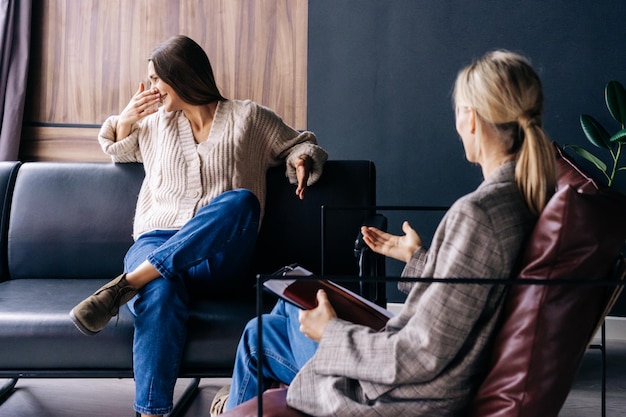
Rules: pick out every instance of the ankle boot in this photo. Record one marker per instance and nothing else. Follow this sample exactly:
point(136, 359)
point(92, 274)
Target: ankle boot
point(93, 313)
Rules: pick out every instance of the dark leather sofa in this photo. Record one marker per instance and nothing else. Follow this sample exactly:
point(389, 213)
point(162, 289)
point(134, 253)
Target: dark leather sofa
point(64, 230)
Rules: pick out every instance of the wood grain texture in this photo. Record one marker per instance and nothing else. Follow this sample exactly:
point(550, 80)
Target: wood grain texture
point(65, 144)
point(88, 57)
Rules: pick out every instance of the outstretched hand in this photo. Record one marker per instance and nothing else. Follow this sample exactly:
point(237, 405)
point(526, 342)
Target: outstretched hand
point(143, 103)
point(313, 322)
point(401, 248)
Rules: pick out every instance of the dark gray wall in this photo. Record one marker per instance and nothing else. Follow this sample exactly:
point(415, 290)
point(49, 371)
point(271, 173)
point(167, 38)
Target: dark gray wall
point(381, 72)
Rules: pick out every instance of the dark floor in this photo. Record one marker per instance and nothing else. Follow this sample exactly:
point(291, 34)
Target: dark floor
point(113, 397)
point(584, 399)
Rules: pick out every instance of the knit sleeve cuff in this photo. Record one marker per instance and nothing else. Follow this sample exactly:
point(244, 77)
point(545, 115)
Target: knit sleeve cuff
point(318, 158)
point(119, 149)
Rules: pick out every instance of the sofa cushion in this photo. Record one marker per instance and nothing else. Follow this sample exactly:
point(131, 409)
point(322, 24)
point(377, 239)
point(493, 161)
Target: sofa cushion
point(38, 336)
point(72, 220)
point(546, 328)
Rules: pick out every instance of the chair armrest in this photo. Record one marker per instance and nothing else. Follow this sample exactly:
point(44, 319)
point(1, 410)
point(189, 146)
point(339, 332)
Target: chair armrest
point(371, 264)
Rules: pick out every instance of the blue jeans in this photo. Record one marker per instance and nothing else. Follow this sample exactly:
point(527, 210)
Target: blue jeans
point(285, 350)
point(217, 242)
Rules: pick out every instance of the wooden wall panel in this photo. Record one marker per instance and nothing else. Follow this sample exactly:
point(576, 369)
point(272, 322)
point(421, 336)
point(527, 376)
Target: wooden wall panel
point(64, 144)
point(88, 57)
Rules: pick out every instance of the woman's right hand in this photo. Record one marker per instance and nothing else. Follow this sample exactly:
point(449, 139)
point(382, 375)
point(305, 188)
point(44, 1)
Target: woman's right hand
point(142, 104)
point(401, 248)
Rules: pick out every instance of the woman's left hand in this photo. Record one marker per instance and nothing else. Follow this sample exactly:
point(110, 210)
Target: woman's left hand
point(303, 167)
point(313, 322)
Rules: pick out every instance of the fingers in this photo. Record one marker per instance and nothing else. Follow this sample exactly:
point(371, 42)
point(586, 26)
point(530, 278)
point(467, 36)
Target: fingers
point(301, 188)
point(324, 307)
point(374, 235)
point(302, 175)
point(322, 299)
point(368, 231)
point(149, 102)
point(142, 104)
point(370, 237)
point(313, 322)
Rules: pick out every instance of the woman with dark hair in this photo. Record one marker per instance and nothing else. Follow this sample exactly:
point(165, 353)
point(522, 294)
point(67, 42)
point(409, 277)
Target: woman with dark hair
point(199, 208)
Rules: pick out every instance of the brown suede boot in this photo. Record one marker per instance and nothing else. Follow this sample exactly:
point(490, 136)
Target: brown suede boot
point(94, 312)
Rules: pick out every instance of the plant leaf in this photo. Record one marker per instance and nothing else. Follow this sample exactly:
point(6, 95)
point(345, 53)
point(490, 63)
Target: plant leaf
point(615, 97)
point(595, 132)
point(589, 157)
point(619, 137)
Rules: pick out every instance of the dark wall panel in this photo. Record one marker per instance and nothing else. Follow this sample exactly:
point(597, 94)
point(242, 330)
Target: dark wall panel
point(381, 73)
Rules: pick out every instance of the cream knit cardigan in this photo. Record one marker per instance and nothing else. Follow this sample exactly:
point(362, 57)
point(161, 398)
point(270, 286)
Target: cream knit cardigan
point(183, 176)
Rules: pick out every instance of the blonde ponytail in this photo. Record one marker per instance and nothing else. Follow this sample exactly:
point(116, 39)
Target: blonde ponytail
point(535, 169)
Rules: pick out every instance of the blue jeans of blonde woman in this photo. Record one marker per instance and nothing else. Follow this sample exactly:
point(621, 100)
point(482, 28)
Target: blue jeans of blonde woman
point(285, 350)
point(214, 244)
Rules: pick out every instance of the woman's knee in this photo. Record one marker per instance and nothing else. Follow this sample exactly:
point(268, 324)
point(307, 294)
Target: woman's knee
point(244, 196)
point(273, 329)
point(242, 201)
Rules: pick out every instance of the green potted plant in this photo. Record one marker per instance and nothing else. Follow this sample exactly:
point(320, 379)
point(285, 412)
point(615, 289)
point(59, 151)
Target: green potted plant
point(615, 98)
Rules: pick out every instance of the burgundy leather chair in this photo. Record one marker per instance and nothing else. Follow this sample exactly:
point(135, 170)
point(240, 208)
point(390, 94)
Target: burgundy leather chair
point(545, 329)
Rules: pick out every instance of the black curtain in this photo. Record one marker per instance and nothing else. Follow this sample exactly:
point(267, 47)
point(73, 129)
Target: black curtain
point(15, 22)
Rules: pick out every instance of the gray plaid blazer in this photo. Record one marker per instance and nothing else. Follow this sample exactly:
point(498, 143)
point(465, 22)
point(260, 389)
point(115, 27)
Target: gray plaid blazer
point(430, 357)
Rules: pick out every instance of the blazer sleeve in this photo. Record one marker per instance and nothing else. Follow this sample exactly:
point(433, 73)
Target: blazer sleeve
point(436, 319)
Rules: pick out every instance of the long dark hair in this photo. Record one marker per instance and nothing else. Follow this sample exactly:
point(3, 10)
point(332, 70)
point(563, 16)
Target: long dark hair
point(182, 64)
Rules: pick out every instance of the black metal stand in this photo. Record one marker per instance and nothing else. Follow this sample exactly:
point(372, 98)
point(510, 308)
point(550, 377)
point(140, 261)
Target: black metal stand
point(602, 347)
point(7, 389)
point(188, 395)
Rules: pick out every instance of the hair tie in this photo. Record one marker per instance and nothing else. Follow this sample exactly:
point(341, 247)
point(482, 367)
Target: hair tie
point(527, 121)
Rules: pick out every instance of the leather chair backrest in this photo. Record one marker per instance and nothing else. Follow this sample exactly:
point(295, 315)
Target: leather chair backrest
point(292, 228)
point(546, 329)
point(72, 220)
point(8, 172)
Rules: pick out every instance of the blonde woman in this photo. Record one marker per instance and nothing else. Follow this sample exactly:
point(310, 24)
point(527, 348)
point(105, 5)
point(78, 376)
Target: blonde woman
point(430, 357)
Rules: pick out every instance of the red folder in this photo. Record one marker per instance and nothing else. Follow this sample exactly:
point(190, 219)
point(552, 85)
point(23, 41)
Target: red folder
point(348, 305)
